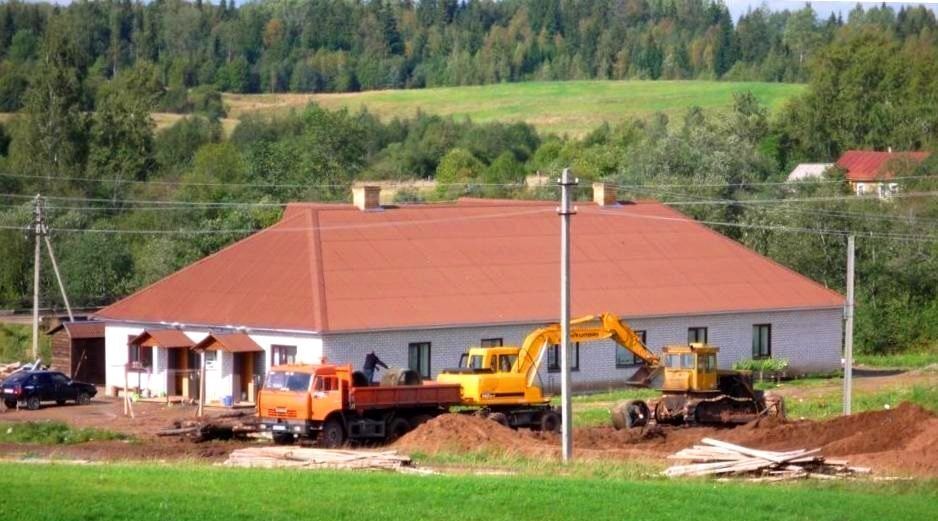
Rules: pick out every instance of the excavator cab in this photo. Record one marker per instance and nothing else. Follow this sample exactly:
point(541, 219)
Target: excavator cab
point(488, 360)
point(690, 368)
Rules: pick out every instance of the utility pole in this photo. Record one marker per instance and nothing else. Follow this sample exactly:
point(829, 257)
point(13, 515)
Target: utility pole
point(40, 232)
point(848, 331)
point(565, 211)
point(36, 229)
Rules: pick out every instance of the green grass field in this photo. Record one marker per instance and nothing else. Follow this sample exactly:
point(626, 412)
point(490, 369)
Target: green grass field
point(572, 107)
point(61, 492)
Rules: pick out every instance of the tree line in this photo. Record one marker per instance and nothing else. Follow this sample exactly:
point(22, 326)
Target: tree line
point(344, 45)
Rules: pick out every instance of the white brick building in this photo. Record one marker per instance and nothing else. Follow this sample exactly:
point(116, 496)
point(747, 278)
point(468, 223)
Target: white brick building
point(419, 284)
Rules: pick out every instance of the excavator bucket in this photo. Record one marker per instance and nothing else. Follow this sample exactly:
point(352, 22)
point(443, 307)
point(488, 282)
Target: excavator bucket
point(644, 377)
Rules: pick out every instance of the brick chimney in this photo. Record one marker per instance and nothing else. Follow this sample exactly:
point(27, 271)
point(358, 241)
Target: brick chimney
point(366, 198)
point(604, 194)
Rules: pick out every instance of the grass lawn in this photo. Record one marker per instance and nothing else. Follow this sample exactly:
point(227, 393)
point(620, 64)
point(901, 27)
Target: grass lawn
point(572, 107)
point(911, 360)
point(63, 492)
point(52, 433)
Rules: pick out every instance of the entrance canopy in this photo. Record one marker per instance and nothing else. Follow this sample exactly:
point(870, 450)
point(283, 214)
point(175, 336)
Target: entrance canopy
point(165, 338)
point(232, 342)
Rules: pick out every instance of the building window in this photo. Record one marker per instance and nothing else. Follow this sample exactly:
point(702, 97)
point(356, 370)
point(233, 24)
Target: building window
point(492, 342)
point(418, 358)
point(139, 356)
point(553, 358)
point(624, 357)
point(762, 341)
point(282, 355)
point(211, 360)
point(697, 335)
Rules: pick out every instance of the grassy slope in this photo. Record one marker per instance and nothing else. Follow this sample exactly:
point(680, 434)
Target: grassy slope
point(182, 493)
point(573, 107)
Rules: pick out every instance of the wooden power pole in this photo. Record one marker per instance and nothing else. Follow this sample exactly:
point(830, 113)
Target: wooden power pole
point(40, 233)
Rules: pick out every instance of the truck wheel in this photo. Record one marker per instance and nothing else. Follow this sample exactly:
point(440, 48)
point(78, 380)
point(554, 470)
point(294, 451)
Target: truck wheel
point(550, 422)
point(630, 414)
point(281, 438)
point(499, 418)
point(32, 403)
point(83, 399)
point(332, 434)
point(397, 428)
point(10, 404)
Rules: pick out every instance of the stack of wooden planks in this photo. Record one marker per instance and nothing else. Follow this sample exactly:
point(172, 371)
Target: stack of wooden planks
point(715, 457)
point(311, 458)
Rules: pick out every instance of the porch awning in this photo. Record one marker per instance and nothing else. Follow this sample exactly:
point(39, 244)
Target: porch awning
point(165, 338)
point(232, 342)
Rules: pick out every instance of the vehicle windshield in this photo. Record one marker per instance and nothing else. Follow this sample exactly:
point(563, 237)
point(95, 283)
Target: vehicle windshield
point(288, 381)
point(476, 361)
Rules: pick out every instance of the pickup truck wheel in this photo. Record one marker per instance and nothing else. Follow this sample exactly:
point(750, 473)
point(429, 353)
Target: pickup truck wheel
point(32, 403)
point(332, 434)
point(10, 404)
point(83, 399)
point(397, 428)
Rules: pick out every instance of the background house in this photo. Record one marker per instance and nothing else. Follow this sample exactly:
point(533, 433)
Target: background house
point(870, 172)
point(805, 171)
point(419, 284)
point(78, 350)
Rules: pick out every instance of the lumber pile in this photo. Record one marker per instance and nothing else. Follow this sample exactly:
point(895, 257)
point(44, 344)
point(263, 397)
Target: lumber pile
point(222, 427)
point(311, 458)
point(8, 369)
point(715, 457)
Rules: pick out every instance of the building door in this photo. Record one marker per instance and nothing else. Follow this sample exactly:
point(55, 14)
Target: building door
point(175, 367)
point(244, 388)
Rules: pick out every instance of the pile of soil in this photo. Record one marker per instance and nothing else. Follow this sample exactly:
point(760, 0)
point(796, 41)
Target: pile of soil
point(467, 433)
point(903, 440)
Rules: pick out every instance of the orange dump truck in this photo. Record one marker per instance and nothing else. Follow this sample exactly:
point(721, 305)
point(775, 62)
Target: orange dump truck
point(332, 404)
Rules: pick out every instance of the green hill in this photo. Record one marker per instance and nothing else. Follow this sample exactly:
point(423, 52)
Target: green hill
point(572, 107)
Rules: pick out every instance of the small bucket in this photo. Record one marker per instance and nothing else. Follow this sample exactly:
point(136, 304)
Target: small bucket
point(227, 401)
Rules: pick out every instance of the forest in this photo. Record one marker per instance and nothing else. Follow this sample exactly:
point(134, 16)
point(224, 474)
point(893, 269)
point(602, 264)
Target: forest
point(128, 204)
point(345, 45)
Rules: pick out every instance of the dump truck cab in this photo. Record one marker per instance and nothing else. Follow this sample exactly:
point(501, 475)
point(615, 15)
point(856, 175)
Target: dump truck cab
point(333, 403)
point(489, 376)
point(299, 398)
point(690, 368)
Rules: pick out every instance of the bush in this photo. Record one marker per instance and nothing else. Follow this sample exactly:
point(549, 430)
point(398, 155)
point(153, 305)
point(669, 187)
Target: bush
point(53, 433)
point(773, 366)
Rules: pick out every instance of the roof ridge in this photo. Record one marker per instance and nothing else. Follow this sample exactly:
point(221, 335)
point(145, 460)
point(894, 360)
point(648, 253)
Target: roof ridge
point(101, 312)
point(316, 275)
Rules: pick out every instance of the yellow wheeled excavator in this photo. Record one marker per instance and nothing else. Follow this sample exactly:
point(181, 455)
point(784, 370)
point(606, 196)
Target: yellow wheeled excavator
point(499, 382)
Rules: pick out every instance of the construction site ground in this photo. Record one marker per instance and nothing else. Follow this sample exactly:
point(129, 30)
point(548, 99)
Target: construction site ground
point(901, 440)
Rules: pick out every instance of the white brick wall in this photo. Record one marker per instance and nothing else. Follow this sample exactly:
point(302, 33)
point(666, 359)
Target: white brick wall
point(219, 381)
point(810, 339)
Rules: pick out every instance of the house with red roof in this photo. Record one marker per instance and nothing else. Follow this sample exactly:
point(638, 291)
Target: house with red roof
point(420, 283)
point(870, 172)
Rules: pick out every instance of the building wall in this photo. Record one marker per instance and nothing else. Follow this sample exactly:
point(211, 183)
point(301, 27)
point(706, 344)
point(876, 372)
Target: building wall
point(219, 377)
point(811, 340)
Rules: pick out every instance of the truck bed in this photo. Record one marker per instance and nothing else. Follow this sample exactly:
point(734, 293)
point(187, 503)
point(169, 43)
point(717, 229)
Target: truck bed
point(384, 397)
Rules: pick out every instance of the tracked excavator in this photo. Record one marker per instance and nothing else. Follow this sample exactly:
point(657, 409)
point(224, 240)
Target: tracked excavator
point(499, 382)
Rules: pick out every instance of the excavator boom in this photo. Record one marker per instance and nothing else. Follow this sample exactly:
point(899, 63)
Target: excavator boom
point(584, 329)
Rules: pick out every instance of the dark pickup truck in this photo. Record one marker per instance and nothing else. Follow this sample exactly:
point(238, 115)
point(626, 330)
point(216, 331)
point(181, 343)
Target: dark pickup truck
point(31, 388)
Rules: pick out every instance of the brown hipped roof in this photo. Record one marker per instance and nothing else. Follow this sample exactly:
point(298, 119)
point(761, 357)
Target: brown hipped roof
point(232, 342)
point(870, 165)
point(165, 338)
point(332, 267)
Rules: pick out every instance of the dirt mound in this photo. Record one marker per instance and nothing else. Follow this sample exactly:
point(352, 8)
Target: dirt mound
point(467, 433)
point(900, 439)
